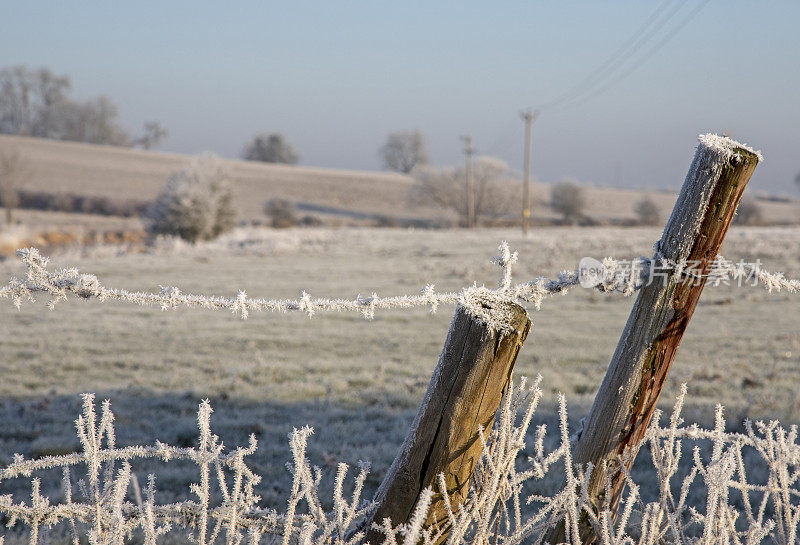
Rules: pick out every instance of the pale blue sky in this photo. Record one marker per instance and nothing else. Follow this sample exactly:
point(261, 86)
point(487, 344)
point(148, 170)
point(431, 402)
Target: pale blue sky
point(336, 77)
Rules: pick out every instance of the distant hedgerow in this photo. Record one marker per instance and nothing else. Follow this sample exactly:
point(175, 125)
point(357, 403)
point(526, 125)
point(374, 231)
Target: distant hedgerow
point(197, 202)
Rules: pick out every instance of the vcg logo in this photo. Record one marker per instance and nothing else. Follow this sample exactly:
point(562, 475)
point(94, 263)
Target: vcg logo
point(590, 272)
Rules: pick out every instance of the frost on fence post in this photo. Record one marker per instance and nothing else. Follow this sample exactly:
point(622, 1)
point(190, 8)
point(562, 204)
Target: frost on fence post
point(463, 395)
point(627, 397)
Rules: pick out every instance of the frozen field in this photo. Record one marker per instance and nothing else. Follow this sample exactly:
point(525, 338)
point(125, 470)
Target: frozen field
point(358, 382)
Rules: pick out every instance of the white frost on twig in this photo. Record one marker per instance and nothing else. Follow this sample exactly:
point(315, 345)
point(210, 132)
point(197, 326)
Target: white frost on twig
point(499, 506)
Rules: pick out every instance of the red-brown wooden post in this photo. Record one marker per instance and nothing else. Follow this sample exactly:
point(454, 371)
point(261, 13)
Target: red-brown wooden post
point(627, 397)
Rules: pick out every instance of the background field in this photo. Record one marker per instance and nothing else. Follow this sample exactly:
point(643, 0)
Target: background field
point(357, 382)
point(343, 195)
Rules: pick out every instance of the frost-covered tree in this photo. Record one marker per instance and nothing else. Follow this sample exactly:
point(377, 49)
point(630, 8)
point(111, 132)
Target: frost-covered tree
point(197, 202)
point(154, 133)
point(495, 190)
point(270, 148)
point(403, 151)
point(567, 198)
point(30, 100)
point(36, 103)
point(647, 212)
point(93, 121)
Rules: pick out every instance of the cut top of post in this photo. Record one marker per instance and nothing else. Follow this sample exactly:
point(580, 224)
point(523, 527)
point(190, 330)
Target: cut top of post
point(713, 156)
point(726, 146)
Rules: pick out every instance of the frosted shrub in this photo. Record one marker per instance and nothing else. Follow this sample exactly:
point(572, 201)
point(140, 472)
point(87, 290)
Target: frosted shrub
point(197, 202)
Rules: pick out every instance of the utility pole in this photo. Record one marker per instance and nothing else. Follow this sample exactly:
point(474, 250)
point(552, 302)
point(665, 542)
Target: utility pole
point(470, 183)
point(529, 118)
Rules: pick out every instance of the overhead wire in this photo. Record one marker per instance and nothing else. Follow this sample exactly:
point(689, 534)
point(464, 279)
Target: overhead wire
point(644, 58)
point(657, 19)
point(651, 26)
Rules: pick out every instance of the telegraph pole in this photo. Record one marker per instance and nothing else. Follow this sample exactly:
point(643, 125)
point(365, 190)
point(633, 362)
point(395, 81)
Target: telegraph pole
point(470, 183)
point(529, 118)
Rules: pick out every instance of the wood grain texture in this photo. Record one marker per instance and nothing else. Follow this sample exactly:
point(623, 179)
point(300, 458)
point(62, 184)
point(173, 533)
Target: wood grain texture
point(628, 395)
point(464, 393)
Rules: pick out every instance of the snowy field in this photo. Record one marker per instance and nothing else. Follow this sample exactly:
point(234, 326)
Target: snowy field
point(357, 382)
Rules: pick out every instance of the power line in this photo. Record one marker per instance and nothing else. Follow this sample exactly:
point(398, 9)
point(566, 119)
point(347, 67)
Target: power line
point(613, 70)
point(639, 38)
point(644, 58)
point(506, 136)
point(607, 75)
point(630, 46)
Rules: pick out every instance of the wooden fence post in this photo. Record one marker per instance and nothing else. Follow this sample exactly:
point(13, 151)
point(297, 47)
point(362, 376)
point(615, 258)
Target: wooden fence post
point(464, 393)
point(627, 397)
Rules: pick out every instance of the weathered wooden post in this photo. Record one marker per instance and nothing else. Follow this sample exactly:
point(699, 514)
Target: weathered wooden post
point(464, 393)
point(627, 397)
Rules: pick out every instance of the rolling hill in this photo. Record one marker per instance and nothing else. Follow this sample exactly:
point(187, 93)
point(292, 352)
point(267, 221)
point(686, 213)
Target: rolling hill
point(115, 172)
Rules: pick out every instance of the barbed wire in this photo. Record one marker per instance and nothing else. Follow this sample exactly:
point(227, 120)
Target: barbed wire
point(612, 275)
point(108, 515)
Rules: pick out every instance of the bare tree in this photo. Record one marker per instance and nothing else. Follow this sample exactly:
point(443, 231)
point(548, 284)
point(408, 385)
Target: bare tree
point(16, 101)
point(93, 121)
point(36, 103)
point(270, 148)
point(567, 198)
point(403, 151)
point(12, 174)
point(154, 133)
point(51, 93)
point(495, 188)
point(31, 100)
point(647, 212)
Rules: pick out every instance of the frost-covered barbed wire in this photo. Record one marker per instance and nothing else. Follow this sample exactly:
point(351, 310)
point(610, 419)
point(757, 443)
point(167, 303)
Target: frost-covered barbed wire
point(616, 276)
point(476, 299)
point(723, 270)
point(748, 484)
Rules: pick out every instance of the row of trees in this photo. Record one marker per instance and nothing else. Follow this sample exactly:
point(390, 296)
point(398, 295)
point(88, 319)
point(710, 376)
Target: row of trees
point(197, 201)
point(402, 152)
point(37, 103)
point(495, 197)
point(498, 193)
